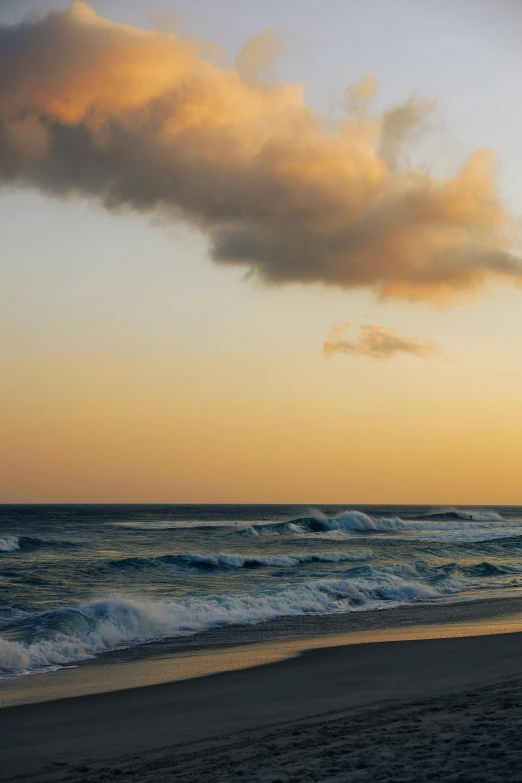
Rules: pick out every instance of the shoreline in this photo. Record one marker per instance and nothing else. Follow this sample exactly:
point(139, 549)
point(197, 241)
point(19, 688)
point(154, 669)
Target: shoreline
point(174, 728)
point(240, 647)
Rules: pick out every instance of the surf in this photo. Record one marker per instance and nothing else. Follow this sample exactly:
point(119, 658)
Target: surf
point(70, 635)
point(233, 562)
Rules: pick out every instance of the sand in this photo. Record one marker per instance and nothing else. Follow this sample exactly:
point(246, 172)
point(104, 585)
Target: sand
point(435, 709)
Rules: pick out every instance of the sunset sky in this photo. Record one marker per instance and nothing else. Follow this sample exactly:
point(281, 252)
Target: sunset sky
point(227, 279)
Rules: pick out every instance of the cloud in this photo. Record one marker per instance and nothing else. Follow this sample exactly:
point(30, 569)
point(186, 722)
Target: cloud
point(256, 57)
point(141, 120)
point(377, 342)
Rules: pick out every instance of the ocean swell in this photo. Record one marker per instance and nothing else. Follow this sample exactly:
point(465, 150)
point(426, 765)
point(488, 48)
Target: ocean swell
point(319, 523)
point(224, 561)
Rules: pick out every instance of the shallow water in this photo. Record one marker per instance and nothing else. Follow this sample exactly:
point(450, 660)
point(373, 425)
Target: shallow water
point(77, 581)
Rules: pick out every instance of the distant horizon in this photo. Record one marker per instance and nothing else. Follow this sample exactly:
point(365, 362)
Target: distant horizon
point(267, 505)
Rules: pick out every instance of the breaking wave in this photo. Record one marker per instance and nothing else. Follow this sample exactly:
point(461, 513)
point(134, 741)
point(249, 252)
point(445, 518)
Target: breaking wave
point(9, 544)
point(16, 543)
point(319, 523)
point(57, 638)
point(222, 561)
point(447, 526)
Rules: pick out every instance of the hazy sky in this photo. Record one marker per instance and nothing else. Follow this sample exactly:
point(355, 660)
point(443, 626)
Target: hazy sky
point(137, 369)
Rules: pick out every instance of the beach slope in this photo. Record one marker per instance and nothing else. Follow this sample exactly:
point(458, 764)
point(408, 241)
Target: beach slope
point(441, 709)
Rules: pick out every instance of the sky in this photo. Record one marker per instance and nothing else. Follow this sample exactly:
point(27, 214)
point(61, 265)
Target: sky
point(230, 278)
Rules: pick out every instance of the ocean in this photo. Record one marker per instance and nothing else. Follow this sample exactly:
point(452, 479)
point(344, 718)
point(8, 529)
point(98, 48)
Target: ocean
point(78, 582)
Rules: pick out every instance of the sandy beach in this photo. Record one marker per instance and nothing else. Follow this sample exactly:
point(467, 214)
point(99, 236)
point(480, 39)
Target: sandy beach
point(442, 709)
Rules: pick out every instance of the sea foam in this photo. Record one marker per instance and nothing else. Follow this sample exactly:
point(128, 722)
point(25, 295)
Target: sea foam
point(15, 543)
point(9, 544)
point(445, 526)
point(70, 635)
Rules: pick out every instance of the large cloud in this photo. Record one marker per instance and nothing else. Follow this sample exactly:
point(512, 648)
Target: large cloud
point(376, 342)
point(139, 120)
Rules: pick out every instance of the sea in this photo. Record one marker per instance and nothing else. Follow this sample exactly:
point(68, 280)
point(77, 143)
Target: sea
point(80, 582)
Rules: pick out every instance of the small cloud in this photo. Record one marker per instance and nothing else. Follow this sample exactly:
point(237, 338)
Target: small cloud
point(377, 342)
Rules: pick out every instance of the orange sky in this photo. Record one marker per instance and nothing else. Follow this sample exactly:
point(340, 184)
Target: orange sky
point(245, 419)
point(135, 369)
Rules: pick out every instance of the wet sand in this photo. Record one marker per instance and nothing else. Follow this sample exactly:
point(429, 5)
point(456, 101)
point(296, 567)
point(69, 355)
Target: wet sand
point(442, 709)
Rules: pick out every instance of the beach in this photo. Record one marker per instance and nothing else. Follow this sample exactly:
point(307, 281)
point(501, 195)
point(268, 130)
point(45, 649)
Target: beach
point(79, 583)
point(248, 643)
point(446, 709)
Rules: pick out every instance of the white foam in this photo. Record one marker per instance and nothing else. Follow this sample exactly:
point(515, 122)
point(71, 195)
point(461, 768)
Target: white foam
point(119, 621)
point(351, 521)
point(9, 544)
point(329, 535)
point(445, 526)
point(460, 527)
point(454, 525)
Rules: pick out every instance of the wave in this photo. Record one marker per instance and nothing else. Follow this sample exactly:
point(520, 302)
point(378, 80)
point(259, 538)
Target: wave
point(16, 543)
point(487, 569)
point(422, 569)
point(57, 638)
point(71, 635)
point(457, 522)
point(456, 514)
point(476, 532)
point(27, 543)
point(9, 544)
point(449, 526)
point(8, 614)
point(318, 523)
point(223, 561)
point(348, 521)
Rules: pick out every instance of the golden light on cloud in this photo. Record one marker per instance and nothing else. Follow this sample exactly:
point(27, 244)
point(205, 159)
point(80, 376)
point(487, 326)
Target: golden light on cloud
point(376, 342)
point(140, 120)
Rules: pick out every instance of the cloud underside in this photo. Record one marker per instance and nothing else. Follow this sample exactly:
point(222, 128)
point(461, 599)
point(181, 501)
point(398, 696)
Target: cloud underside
point(139, 120)
point(376, 342)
